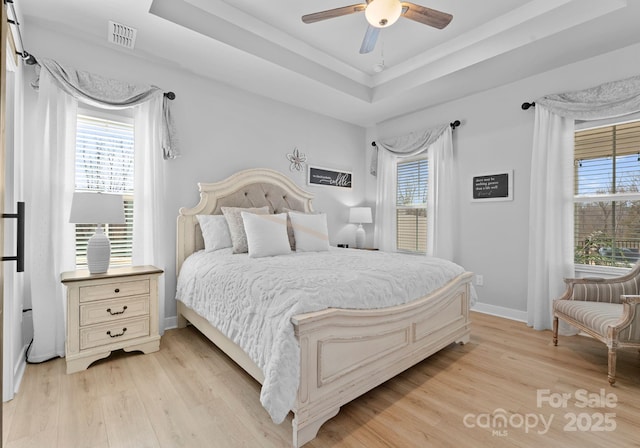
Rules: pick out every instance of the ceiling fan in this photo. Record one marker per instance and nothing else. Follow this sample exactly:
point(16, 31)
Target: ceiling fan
point(381, 14)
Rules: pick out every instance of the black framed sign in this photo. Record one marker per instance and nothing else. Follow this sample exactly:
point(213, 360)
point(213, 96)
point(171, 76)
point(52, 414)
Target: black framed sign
point(329, 178)
point(493, 187)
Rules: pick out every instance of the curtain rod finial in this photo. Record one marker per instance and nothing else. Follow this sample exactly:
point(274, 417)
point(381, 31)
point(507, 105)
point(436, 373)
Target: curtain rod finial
point(170, 95)
point(373, 144)
point(28, 58)
point(526, 106)
point(455, 124)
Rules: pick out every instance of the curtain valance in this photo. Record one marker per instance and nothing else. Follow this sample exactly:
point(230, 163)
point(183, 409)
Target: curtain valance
point(407, 145)
point(609, 100)
point(108, 93)
point(412, 143)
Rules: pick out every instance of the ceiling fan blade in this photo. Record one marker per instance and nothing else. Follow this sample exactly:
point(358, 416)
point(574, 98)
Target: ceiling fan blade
point(427, 16)
point(332, 13)
point(370, 39)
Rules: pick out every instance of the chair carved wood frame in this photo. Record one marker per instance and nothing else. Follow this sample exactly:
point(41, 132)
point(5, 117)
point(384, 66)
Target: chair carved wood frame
point(607, 309)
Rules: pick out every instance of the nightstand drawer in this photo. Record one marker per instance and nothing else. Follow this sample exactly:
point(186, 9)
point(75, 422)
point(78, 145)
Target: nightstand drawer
point(115, 309)
point(114, 290)
point(105, 334)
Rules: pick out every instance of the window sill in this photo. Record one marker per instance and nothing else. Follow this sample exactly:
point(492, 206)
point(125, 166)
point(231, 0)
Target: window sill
point(586, 270)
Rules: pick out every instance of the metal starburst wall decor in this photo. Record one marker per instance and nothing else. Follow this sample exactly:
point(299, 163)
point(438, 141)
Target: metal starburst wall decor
point(297, 160)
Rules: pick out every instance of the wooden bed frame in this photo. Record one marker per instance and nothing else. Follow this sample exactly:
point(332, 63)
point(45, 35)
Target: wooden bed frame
point(343, 353)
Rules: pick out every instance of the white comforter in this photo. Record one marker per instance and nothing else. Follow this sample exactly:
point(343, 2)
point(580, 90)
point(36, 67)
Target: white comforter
point(252, 300)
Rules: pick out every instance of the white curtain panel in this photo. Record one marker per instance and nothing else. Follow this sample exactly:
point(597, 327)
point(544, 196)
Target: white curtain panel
point(148, 202)
point(50, 238)
point(442, 193)
point(438, 142)
point(385, 216)
point(550, 215)
point(551, 230)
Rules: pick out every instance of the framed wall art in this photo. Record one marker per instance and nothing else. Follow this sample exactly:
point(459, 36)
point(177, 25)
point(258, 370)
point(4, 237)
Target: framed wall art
point(492, 187)
point(327, 177)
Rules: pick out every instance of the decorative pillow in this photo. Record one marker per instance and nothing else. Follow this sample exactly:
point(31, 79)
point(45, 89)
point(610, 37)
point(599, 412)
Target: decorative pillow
point(266, 234)
point(236, 227)
point(292, 238)
point(311, 232)
point(215, 232)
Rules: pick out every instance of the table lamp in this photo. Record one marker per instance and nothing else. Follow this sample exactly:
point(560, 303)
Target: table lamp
point(97, 208)
point(360, 215)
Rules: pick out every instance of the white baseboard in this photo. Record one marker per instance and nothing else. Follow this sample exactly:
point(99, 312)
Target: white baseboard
point(170, 322)
point(19, 370)
point(18, 374)
point(500, 311)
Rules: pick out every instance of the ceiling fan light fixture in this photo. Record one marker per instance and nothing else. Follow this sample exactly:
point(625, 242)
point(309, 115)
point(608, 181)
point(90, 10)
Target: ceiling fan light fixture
point(383, 13)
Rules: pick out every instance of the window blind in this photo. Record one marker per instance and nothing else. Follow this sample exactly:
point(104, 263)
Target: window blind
point(104, 163)
point(607, 195)
point(411, 206)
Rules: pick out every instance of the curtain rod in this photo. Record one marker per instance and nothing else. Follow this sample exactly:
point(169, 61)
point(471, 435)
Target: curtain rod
point(526, 106)
point(453, 124)
point(27, 57)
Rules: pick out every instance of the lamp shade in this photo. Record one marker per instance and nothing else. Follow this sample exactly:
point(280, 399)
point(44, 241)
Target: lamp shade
point(360, 215)
point(97, 208)
point(383, 13)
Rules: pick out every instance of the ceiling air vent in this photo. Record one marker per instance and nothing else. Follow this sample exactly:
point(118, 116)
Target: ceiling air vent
point(122, 35)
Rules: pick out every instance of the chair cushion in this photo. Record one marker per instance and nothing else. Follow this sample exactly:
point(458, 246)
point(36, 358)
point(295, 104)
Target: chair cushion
point(597, 316)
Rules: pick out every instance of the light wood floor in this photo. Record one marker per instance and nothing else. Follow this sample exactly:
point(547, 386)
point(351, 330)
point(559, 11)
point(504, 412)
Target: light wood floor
point(190, 395)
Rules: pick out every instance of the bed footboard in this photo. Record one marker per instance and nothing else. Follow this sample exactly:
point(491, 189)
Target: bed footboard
point(345, 353)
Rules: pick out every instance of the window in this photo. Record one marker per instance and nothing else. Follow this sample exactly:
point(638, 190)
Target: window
point(104, 163)
point(607, 195)
point(411, 206)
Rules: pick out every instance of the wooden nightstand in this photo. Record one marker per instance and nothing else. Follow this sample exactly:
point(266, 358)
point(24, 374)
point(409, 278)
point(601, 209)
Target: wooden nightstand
point(111, 311)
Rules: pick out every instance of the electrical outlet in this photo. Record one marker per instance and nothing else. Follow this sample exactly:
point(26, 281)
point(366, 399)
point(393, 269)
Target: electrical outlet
point(479, 280)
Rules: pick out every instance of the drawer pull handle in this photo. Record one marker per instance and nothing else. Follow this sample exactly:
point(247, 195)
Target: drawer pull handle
point(117, 290)
point(116, 335)
point(114, 313)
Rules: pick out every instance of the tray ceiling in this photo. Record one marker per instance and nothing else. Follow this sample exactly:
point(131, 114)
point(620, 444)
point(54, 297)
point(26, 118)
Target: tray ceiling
point(264, 47)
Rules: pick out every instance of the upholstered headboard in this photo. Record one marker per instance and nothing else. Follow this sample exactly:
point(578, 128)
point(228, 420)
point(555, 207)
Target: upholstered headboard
point(248, 188)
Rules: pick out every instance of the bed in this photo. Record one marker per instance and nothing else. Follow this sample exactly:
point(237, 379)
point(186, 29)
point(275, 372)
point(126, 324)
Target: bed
point(343, 353)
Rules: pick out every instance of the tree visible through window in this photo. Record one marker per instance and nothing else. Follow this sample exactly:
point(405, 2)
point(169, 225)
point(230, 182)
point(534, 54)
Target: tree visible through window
point(104, 163)
point(411, 206)
point(607, 195)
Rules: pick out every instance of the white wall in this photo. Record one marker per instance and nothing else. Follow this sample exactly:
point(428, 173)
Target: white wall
point(497, 135)
point(223, 130)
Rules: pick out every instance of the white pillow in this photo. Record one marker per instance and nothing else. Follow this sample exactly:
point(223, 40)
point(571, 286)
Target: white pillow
point(236, 227)
point(311, 232)
point(266, 234)
point(215, 232)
